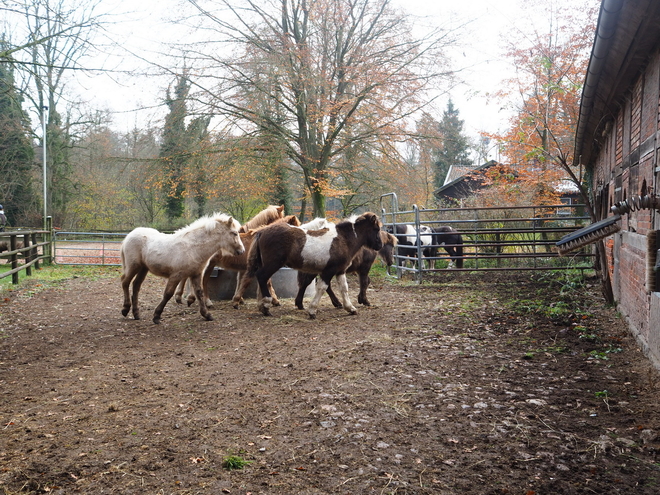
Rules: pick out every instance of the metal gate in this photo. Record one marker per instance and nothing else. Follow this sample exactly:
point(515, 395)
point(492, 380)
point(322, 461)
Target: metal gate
point(87, 248)
point(510, 238)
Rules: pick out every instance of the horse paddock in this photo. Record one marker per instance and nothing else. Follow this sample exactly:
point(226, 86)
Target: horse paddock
point(507, 383)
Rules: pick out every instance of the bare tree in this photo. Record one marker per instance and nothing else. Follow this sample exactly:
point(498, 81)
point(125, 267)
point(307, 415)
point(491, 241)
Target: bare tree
point(56, 36)
point(317, 75)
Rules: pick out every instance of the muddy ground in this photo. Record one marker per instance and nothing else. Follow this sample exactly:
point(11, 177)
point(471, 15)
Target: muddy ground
point(476, 383)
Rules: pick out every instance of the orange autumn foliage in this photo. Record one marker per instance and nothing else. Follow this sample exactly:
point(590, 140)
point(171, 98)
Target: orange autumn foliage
point(550, 66)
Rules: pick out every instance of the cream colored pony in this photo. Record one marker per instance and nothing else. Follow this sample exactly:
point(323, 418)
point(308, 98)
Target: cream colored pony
point(183, 254)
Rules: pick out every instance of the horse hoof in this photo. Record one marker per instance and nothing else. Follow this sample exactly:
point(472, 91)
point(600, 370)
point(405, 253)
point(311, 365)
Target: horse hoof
point(124, 312)
point(156, 321)
point(276, 302)
point(209, 318)
point(312, 316)
point(352, 312)
point(178, 300)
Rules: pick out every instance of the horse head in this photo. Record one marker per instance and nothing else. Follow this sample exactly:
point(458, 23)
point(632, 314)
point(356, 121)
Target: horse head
point(292, 220)
point(386, 253)
point(369, 224)
point(231, 244)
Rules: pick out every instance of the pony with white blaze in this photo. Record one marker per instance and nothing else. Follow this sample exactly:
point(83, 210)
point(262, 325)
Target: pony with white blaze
point(183, 254)
point(327, 252)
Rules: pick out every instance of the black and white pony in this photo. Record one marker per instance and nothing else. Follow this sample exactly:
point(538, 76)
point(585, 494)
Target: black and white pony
point(327, 252)
point(430, 240)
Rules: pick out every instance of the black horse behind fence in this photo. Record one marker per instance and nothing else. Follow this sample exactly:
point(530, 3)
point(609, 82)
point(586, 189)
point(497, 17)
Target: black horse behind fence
point(431, 239)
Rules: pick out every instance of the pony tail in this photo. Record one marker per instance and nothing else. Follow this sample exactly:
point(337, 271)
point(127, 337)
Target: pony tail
point(254, 257)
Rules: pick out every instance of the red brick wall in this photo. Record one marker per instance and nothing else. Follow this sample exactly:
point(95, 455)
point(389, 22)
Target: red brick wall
point(626, 163)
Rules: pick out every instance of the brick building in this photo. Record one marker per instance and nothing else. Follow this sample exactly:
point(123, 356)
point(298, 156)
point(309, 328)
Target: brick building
point(618, 140)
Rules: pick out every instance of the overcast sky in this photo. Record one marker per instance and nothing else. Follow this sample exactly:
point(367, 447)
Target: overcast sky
point(479, 57)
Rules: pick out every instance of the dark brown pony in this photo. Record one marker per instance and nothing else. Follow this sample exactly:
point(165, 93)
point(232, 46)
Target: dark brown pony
point(236, 263)
point(327, 252)
point(4, 246)
point(361, 265)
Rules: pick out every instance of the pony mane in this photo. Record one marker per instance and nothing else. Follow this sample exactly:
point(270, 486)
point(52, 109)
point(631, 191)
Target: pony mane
point(206, 222)
point(317, 224)
point(264, 217)
point(292, 220)
point(388, 238)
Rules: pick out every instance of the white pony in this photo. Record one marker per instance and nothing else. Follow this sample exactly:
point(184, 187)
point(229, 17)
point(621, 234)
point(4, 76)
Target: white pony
point(183, 254)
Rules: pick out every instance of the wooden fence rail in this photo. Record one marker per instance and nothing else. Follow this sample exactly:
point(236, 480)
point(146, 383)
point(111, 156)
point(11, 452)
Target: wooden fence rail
point(36, 248)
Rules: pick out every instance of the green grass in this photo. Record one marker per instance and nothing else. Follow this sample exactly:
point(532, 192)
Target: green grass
point(49, 276)
point(232, 462)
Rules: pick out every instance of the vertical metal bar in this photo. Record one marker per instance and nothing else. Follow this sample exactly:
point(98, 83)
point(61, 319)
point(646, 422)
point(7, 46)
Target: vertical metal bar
point(419, 244)
point(49, 249)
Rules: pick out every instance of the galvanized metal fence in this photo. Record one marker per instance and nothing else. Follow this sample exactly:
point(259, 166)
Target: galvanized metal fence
point(509, 238)
point(87, 248)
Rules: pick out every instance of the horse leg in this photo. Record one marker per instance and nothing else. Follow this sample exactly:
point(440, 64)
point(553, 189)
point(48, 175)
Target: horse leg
point(170, 287)
point(137, 283)
point(263, 276)
point(321, 286)
point(364, 284)
point(196, 283)
point(343, 291)
point(126, 279)
point(206, 279)
point(179, 292)
point(459, 254)
point(242, 284)
point(333, 297)
point(304, 279)
point(275, 300)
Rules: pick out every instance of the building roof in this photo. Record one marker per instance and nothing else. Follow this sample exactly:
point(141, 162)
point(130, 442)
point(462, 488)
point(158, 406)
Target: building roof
point(627, 32)
point(463, 185)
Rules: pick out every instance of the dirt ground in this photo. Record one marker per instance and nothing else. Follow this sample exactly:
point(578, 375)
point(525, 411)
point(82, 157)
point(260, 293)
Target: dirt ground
point(475, 383)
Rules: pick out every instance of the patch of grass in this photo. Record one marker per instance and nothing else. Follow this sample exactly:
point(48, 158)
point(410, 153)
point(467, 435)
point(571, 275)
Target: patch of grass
point(49, 276)
point(231, 462)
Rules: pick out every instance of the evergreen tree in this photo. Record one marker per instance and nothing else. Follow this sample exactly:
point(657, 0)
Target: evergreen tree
point(199, 134)
point(173, 148)
point(16, 152)
point(454, 148)
point(63, 184)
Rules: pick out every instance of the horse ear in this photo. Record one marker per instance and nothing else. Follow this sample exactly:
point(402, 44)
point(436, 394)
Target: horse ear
point(280, 208)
